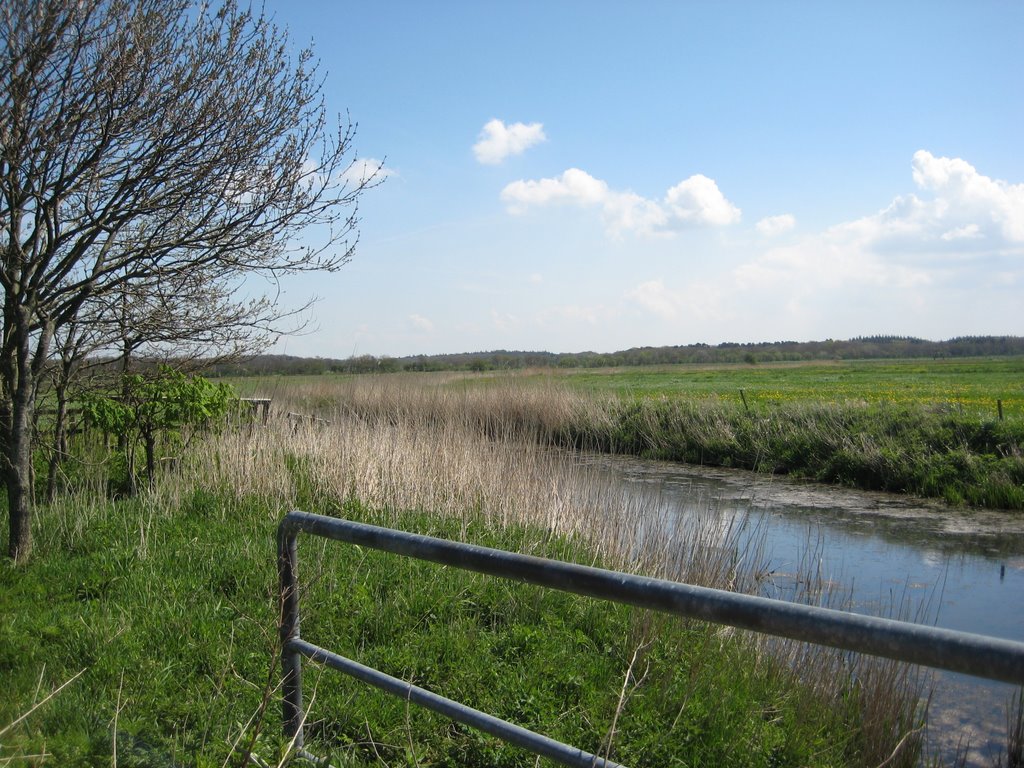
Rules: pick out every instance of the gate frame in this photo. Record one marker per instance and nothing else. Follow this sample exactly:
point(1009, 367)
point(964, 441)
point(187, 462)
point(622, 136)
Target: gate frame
point(977, 655)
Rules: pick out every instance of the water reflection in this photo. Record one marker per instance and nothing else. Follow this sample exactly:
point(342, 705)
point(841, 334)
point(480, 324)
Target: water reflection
point(882, 554)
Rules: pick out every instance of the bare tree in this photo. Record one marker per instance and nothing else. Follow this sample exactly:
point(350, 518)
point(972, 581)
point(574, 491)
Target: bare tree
point(146, 141)
point(186, 319)
point(72, 344)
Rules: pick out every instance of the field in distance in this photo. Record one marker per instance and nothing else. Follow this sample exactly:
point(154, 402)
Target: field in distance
point(973, 385)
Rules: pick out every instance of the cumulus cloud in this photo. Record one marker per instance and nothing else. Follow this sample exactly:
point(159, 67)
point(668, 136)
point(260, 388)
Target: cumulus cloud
point(498, 141)
point(826, 262)
point(574, 186)
point(696, 201)
point(773, 226)
point(699, 200)
point(965, 197)
point(957, 215)
point(957, 212)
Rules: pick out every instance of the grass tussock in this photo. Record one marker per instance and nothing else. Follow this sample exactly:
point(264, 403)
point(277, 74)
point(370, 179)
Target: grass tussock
point(161, 610)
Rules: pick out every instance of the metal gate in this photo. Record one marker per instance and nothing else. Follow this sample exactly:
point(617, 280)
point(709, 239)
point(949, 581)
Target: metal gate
point(978, 655)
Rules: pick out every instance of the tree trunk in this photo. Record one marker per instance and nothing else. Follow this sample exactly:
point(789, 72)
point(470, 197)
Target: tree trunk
point(19, 545)
point(20, 366)
point(18, 469)
point(126, 364)
point(60, 443)
point(150, 439)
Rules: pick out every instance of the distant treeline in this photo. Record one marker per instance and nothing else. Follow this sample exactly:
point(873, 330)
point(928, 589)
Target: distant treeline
point(860, 348)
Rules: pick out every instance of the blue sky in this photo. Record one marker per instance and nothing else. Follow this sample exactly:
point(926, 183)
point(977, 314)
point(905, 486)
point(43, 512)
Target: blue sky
point(570, 176)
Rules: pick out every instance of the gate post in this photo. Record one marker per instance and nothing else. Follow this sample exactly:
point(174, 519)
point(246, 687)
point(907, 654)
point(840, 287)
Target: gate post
point(291, 661)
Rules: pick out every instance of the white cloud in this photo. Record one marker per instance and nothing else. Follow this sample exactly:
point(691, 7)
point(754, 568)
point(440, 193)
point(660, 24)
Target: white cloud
point(696, 201)
point(699, 200)
point(421, 323)
point(365, 170)
point(536, 278)
point(960, 213)
point(629, 212)
point(917, 241)
point(498, 141)
point(968, 231)
point(653, 297)
point(773, 226)
point(574, 186)
point(963, 196)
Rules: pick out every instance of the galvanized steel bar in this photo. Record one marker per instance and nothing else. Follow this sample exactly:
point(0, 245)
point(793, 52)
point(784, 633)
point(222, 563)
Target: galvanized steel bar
point(509, 732)
point(291, 660)
point(977, 655)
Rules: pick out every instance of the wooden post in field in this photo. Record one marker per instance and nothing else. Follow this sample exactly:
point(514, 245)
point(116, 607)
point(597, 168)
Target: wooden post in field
point(999, 407)
point(260, 406)
point(743, 397)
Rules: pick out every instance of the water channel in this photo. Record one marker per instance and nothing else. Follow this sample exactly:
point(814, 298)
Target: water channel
point(955, 568)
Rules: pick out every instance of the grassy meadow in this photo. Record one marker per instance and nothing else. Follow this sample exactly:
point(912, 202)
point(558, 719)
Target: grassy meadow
point(142, 631)
point(971, 386)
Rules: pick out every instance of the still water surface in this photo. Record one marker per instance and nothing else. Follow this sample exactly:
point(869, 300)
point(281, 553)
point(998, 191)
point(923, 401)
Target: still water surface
point(954, 568)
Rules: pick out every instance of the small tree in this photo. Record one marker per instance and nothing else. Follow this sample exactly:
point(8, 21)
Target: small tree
point(144, 141)
point(146, 408)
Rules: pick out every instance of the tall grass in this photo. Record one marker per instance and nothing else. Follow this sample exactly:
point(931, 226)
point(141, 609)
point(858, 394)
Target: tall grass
point(919, 449)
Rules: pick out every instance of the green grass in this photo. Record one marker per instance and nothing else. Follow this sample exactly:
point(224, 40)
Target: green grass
point(165, 616)
point(971, 386)
point(169, 614)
